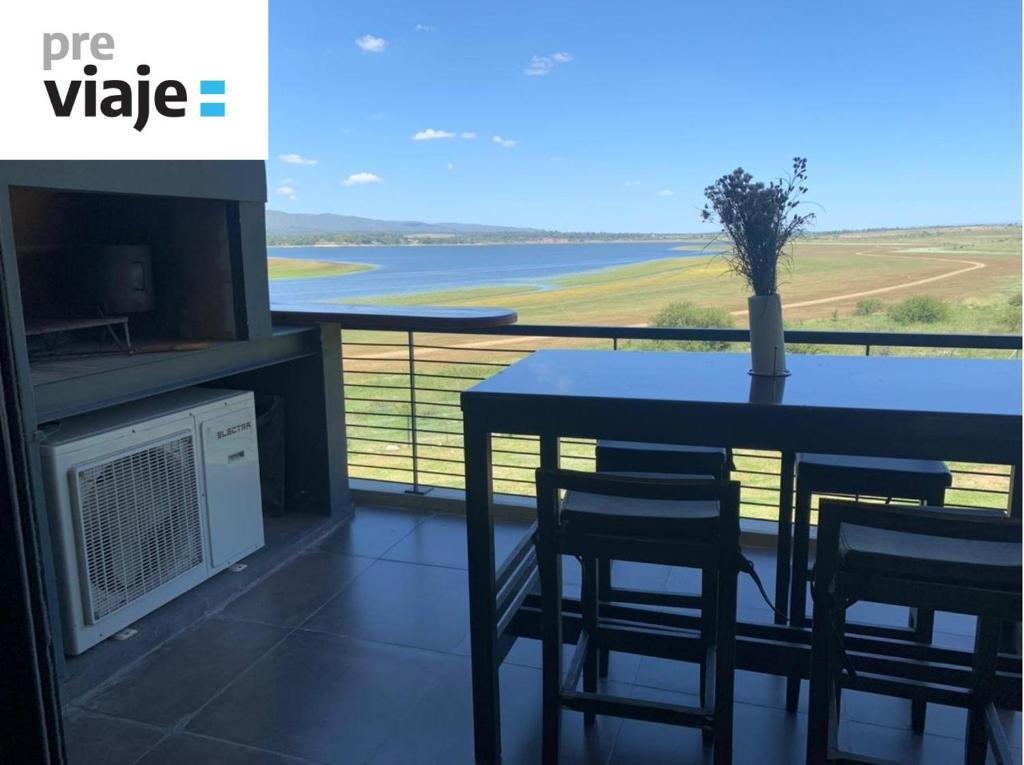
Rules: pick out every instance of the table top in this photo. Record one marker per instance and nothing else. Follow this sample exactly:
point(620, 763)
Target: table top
point(906, 384)
point(400, 318)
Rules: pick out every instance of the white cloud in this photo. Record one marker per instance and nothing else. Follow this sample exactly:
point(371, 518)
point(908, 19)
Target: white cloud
point(424, 28)
point(542, 65)
point(286, 191)
point(377, 116)
point(361, 179)
point(505, 143)
point(632, 183)
point(371, 44)
point(469, 135)
point(432, 135)
point(451, 166)
point(296, 159)
point(665, 193)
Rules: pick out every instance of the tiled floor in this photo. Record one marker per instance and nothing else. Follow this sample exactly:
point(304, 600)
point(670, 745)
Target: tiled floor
point(357, 651)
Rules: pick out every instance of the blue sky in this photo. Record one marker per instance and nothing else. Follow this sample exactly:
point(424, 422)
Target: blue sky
point(614, 116)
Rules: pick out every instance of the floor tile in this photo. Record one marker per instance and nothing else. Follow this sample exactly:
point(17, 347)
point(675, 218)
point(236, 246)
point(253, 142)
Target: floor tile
point(441, 541)
point(900, 745)
point(186, 749)
point(186, 672)
point(322, 697)
point(92, 739)
point(439, 729)
point(684, 677)
point(763, 736)
point(403, 603)
point(289, 595)
point(371, 532)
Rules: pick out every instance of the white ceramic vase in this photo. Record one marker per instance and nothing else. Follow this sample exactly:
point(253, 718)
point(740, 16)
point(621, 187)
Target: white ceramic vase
point(767, 342)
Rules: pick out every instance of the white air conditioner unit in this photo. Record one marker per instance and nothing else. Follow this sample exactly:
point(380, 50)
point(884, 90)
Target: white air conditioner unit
point(146, 501)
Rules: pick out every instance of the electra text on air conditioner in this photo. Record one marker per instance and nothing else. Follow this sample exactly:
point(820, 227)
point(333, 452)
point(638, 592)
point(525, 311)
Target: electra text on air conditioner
point(116, 98)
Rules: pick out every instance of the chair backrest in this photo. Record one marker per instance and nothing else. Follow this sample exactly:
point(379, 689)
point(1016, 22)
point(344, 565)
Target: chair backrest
point(725, 493)
point(952, 522)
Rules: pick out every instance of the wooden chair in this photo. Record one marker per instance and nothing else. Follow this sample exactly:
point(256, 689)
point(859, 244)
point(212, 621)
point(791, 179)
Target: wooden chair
point(947, 560)
point(630, 456)
point(925, 481)
point(649, 519)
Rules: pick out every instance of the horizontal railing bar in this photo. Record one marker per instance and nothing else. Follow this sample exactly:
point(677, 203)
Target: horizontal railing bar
point(396, 373)
point(395, 428)
point(447, 377)
point(384, 467)
point(440, 459)
point(819, 337)
point(483, 349)
point(463, 362)
point(372, 387)
point(385, 456)
point(367, 343)
point(450, 443)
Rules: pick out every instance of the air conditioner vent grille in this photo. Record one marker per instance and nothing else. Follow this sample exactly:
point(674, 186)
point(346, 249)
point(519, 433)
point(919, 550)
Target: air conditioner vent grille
point(140, 524)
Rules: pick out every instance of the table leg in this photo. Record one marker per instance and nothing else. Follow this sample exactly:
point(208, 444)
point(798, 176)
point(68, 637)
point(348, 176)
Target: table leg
point(483, 620)
point(783, 554)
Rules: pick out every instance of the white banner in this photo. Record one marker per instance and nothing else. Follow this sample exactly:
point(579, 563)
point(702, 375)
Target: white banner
point(115, 79)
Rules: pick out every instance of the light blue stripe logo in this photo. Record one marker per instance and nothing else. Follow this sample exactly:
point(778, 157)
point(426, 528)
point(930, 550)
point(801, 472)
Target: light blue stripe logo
point(211, 110)
point(211, 87)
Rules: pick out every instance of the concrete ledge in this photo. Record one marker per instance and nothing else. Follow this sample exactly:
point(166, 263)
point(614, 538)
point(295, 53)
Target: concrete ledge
point(754, 532)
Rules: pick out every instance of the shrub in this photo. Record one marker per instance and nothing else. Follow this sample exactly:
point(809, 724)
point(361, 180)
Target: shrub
point(690, 315)
point(867, 306)
point(919, 309)
point(1014, 299)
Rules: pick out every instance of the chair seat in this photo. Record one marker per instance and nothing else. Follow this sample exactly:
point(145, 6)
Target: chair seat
point(650, 457)
point(930, 558)
point(879, 476)
point(637, 518)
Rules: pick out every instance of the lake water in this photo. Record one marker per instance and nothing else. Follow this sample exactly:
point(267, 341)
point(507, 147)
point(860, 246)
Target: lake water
point(430, 268)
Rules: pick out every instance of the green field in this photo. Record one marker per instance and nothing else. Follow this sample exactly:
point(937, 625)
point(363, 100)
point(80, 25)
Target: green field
point(973, 274)
point(299, 268)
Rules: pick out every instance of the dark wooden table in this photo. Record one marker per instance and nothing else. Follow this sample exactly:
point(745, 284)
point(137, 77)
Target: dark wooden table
point(953, 409)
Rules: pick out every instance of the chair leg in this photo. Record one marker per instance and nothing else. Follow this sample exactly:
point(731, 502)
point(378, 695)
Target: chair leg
point(550, 568)
point(798, 589)
point(784, 550)
point(986, 648)
point(821, 684)
point(604, 587)
point(709, 582)
point(922, 622)
point(723, 683)
point(589, 602)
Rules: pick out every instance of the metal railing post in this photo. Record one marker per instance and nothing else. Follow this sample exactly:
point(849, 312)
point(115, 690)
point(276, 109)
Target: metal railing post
point(413, 434)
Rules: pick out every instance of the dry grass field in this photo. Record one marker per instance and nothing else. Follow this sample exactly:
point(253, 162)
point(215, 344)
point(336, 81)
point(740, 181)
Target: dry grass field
point(975, 272)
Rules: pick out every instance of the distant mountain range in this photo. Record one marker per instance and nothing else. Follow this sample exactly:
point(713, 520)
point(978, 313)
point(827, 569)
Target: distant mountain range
point(281, 223)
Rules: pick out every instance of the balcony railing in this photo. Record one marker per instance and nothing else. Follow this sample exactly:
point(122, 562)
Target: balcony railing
point(404, 422)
